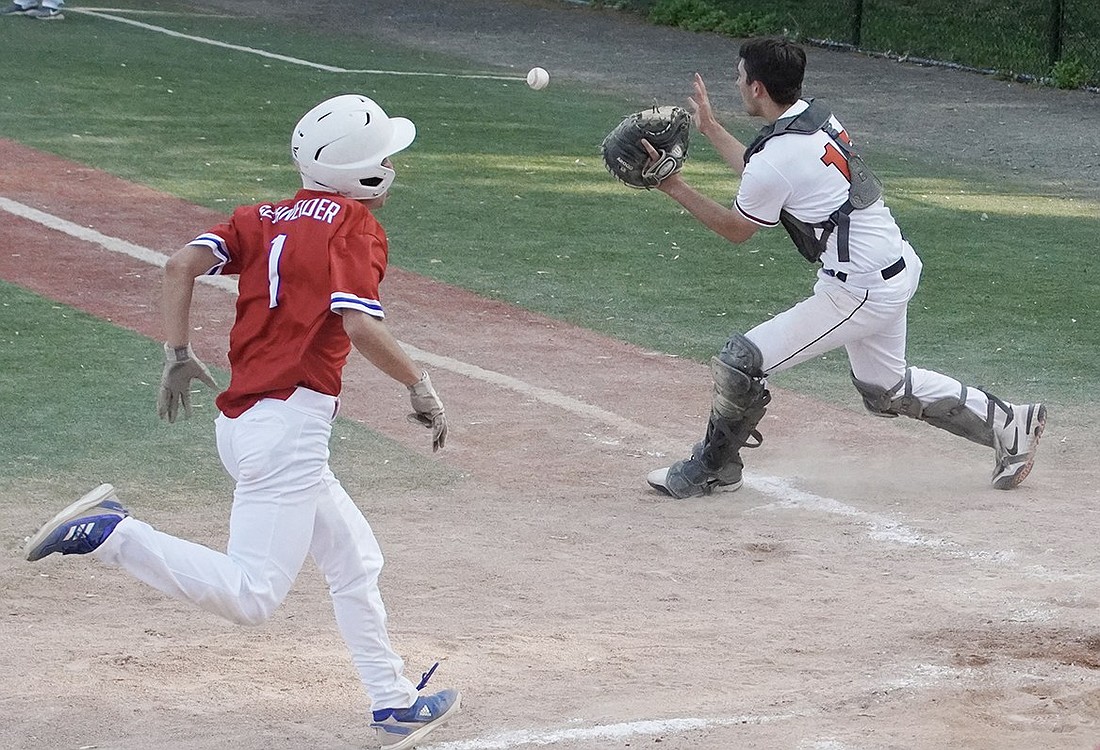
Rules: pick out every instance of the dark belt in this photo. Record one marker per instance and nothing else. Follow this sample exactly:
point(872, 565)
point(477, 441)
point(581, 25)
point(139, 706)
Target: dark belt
point(889, 272)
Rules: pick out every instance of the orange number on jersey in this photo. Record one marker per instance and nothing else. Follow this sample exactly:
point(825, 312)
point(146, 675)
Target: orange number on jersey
point(833, 158)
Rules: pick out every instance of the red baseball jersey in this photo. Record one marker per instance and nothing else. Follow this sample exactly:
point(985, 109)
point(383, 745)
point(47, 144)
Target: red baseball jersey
point(299, 262)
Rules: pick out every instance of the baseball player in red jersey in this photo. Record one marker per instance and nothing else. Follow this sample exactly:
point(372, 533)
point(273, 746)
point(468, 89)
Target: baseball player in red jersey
point(309, 269)
point(803, 172)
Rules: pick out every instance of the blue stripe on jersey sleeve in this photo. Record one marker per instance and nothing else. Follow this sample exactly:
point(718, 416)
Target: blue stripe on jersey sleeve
point(217, 246)
point(342, 300)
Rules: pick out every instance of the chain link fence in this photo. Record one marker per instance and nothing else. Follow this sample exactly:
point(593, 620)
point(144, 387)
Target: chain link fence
point(1055, 41)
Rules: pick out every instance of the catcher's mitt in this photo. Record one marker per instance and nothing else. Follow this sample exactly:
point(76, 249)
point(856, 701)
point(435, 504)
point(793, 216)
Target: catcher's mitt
point(666, 129)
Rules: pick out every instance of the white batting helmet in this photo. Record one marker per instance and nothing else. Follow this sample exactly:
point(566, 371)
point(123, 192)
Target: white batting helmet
point(340, 144)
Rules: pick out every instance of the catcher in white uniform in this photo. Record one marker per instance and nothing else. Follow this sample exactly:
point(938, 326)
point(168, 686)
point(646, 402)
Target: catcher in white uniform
point(803, 172)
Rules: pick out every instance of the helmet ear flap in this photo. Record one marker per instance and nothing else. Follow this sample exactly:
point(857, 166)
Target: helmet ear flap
point(378, 181)
point(340, 145)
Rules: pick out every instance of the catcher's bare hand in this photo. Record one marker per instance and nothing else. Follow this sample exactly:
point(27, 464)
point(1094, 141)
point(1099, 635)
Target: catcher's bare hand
point(701, 112)
point(181, 366)
point(428, 410)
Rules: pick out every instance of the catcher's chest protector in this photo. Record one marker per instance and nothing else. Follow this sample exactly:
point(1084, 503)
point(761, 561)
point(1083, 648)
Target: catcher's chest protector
point(863, 190)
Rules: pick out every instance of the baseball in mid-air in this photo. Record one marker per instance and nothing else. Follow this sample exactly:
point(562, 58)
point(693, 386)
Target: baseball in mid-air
point(538, 78)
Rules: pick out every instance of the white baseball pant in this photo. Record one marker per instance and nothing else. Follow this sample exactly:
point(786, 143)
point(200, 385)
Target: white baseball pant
point(868, 317)
point(286, 504)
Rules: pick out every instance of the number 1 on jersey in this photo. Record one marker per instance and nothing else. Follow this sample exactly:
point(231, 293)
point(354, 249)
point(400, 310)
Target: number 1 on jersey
point(275, 254)
point(833, 158)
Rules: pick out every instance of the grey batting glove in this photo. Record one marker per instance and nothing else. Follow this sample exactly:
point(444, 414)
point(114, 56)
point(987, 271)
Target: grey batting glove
point(428, 410)
point(181, 366)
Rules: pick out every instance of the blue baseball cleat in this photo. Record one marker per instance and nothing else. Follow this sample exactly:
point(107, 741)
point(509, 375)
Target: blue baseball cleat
point(401, 728)
point(80, 528)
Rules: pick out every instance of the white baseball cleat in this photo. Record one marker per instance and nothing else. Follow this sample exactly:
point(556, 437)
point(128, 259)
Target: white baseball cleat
point(1015, 444)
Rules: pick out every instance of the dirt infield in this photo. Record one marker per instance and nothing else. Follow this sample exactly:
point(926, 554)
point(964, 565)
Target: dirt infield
point(850, 597)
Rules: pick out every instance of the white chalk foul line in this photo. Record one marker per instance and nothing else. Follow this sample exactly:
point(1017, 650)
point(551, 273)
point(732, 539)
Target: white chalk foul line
point(604, 732)
point(545, 395)
point(285, 58)
point(823, 744)
point(885, 529)
point(147, 12)
point(880, 528)
point(904, 677)
point(113, 244)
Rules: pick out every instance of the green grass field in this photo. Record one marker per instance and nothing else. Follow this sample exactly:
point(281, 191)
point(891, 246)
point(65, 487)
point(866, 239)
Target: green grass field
point(504, 193)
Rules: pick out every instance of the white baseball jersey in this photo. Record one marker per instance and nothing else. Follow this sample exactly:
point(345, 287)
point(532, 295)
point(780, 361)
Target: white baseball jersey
point(807, 174)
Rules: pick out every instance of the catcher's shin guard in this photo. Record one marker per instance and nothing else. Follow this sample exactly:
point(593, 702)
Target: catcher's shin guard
point(1011, 430)
point(738, 403)
point(948, 414)
point(738, 406)
point(715, 463)
point(726, 437)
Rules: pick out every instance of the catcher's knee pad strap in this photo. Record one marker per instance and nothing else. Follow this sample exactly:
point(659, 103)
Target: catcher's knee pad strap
point(738, 379)
point(948, 414)
point(881, 402)
point(952, 415)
